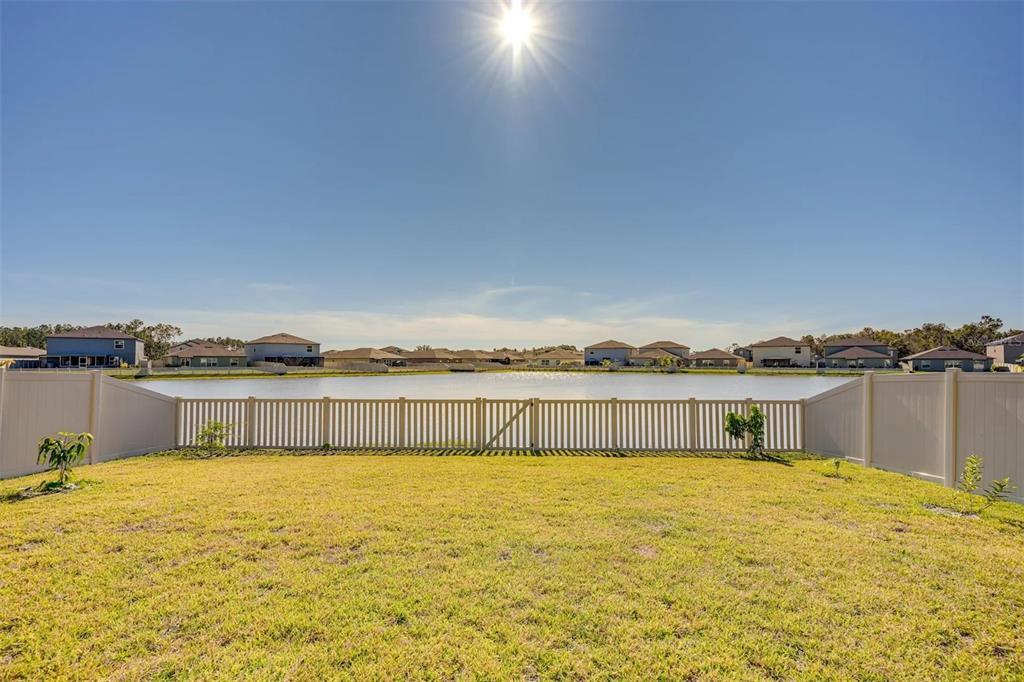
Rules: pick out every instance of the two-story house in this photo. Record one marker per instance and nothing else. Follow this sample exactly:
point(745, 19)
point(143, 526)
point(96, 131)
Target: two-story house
point(781, 351)
point(94, 347)
point(615, 352)
point(1006, 351)
point(286, 349)
point(858, 352)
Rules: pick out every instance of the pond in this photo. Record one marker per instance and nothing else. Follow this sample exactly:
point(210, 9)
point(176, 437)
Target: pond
point(549, 385)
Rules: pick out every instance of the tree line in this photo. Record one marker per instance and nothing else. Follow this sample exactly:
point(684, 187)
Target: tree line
point(971, 336)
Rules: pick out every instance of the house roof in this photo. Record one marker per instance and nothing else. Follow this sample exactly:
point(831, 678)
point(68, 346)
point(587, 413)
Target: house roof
point(197, 348)
point(392, 349)
point(857, 353)
point(97, 332)
point(473, 355)
point(778, 342)
point(946, 353)
point(714, 354)
point(560, 354)
point(854, 341)
point(1015, 339)
point(361, 354)
point(653, 354)
point(610, 343)
point(282, 337)
point(664, 344)
point(432, 354)
point(21, 352)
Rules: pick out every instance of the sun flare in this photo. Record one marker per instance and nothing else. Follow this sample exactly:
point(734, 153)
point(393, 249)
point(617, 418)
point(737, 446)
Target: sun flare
point(517, 25)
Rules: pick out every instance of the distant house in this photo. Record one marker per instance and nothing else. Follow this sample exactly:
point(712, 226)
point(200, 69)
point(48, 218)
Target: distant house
point(199, 353)
point(613, 351)
point(744, 352)
point(715, 357)
point(285, 349)
point(93, 347)
point(473, 356)
point(1006, 351)
point(941, 358)
point(433, 355)
point(677, 349)
point(376, 356)
point(22, 357)
point(655, 356)
point(858, 352)
point(781, 351)
point(557, 357)
point(392, 349)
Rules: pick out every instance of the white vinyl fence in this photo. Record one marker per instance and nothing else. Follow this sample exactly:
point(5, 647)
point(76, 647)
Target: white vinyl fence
point(125, 419)
point(925, 425)
point(485, 424)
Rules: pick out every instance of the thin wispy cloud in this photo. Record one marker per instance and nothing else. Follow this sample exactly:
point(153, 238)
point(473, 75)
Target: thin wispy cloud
point(276, 287)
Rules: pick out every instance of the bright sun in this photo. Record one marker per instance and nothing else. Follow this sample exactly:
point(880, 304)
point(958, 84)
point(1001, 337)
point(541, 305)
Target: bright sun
point(517, 25)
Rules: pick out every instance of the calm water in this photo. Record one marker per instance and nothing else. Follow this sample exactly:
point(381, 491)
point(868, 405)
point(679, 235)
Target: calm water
point(565, 385)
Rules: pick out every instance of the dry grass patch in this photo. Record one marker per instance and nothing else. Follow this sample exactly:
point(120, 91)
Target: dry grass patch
point(504, 567)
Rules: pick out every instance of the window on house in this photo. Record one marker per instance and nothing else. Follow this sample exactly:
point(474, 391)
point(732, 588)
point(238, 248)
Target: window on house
point(119, 343)
point(926, 364)
point(835, 364)
point(309, 349)
point(234, 362)
point(952, 363)
point(797, 350)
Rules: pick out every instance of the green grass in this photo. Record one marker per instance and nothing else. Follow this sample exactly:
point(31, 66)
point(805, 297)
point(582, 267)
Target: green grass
point(376, 567)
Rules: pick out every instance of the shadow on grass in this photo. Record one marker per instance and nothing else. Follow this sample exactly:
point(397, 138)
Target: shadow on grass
point(783, 458)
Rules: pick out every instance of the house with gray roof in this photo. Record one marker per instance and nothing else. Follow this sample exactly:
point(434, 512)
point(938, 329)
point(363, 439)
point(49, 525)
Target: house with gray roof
point(941, 358)
point(1006, 351)
point(373, 356)
point(715, 357)
point(858, 352)
point(286, 349)
point(91, 347)
point(677, 349)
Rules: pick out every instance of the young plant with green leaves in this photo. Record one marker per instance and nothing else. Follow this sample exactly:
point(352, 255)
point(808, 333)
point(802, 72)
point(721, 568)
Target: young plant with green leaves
point(739, 427)
point(967, 499)
point(212, 438)
point(61, 452)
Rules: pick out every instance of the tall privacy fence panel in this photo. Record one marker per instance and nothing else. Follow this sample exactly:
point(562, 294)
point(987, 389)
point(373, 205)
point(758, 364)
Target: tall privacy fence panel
point(486, 424)
point(925, 425)
point(125, 419)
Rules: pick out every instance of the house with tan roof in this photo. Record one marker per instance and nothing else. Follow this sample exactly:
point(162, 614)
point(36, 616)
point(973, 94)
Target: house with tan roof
point(611, 350)
point(21, 357)
point(858, 352)
point(941, 358)
point(96, 346)
point(431, 355)
point(678, 349)
point(200, 353)
point(374, 356)
point(558, 357)
point(715, 357)
point(286, 349)
point(781, 351)
point(656, 356)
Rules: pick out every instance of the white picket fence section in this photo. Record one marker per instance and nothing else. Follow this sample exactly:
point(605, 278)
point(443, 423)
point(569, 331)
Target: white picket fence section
point(487, 424)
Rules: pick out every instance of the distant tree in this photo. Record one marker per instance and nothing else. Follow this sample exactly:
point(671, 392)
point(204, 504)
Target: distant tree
point(225, 341)
point(158, 338)
point(424, 346)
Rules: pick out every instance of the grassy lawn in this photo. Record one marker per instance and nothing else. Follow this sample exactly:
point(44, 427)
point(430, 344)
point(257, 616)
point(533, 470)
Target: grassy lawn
point(371, 567)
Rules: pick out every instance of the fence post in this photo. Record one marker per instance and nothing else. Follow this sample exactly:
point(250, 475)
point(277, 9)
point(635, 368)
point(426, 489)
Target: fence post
point(94, 413)
point(802, 416)
point(401, 422)
point(614, 406)
point(867, 384)
point(949, 435)
point(177, 422)
point(747, 404)
point(325, 406)
point(3, 374)
point(478, 423)
point(250, 421)
point(691, 424)
point(534, 423)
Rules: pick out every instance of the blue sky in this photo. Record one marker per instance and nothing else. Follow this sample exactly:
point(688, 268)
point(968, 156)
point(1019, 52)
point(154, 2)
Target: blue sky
point(375, 173)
